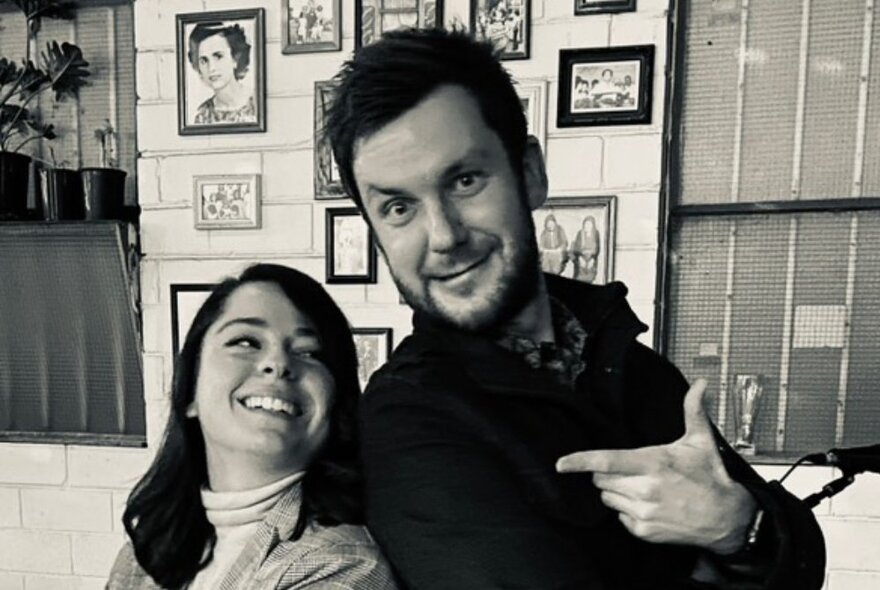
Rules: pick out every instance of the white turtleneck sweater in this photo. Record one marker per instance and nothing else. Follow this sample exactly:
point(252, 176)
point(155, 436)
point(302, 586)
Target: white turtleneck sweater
point(236, 516)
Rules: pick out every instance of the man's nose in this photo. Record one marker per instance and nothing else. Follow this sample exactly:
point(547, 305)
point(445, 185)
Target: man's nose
point(445, 227)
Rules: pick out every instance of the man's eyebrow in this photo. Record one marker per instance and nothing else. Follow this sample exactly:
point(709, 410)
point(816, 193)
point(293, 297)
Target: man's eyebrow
point(464, 162)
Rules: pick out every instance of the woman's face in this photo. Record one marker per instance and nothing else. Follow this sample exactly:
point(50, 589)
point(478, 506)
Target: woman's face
point(261, 395)
point(216, 64)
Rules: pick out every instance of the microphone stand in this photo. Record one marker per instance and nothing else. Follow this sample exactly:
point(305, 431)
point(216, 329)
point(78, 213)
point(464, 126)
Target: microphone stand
point(830, 489)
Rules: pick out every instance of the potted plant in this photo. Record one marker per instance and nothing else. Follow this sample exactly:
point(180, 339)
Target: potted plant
point(60, 69)
point(61, 194)
point(104, 186)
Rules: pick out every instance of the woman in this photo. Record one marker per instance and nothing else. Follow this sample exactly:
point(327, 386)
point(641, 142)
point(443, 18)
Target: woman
point(585, 251)
point(553, 245)
point(221, 56)
point(256, 484)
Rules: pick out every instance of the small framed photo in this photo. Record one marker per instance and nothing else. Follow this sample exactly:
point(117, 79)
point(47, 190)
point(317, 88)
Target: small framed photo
point(327, 182)
point(309, 26)
point(507, 23)
point(576, 237)
point(605, 86)
point(374, 17)
point(351, 254)
point(533, 97)
point(221, 72)
point(373, 346)
point(186, 299)
point(603, 6)
point(227, 201)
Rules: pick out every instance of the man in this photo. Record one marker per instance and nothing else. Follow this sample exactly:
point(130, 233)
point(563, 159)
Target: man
point(508, 370)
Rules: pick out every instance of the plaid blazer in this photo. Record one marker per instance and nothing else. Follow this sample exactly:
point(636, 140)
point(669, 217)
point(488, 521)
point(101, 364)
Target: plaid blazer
point(341, 557)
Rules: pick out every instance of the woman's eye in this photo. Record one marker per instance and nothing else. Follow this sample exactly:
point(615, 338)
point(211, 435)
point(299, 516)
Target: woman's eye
point(244, 342)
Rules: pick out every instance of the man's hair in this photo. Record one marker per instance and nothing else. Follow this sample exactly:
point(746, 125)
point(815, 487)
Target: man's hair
point(239, 48)
point(386, 79)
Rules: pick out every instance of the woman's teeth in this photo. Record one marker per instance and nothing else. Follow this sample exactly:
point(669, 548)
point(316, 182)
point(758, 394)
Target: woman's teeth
point(273, 404)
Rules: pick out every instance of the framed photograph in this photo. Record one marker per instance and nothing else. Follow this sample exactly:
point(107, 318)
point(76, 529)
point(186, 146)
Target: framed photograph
point(605, 86)
point(603, 6)
point(227, 201)
point(221, 72)
point(351, 254)
point(533, 97)
point(507, 23)
point(186, 299)
point(327, 183)
point(308, 26)
point(373, 347)
point(576, 237)
point(374, 17)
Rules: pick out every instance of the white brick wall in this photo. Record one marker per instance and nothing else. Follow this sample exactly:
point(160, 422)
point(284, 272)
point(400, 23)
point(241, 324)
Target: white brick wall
point(60, 507)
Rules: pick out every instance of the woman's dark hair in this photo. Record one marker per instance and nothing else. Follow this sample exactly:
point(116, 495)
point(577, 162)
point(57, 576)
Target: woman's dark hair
point(164, 517)
point(386, 79)
point(234, 35)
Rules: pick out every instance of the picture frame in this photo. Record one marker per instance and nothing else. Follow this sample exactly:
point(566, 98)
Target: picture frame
point(227, 201)
point(186, 299)
point(580, 242)
point(371, 19)
point(233, 77)
point(373, 346)
point(507, 23)
point(582, 7)
point(350, 252)
point(311, 26)
point(327, 182)
point(605, 86)
point(533, 97)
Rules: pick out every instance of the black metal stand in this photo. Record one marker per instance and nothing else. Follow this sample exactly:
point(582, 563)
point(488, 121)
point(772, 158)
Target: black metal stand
point(830, 489)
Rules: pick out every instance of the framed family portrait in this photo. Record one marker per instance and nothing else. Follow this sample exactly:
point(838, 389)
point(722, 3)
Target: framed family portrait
point(221, 72)
point(605, 86)
point(603, 6)
point(533, 98)
point(373, 347)
point(507, 23)
point(576, 237)
point(374, 17)
point(351, 254)
point(186, 299)
point(327, 183)
point(227, 201)
point(308, 26)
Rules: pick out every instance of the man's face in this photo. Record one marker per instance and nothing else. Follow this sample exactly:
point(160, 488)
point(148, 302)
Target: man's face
point(447, 210)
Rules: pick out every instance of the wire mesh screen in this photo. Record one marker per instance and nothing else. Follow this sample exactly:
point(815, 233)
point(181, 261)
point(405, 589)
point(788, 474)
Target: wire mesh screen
point(69, 351)
point(791, 299)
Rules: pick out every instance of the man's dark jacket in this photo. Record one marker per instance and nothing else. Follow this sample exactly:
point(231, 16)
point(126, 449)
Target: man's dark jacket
point(460, 438)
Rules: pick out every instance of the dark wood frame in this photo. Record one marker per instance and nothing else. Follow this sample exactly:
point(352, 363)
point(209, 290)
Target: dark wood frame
point(640, 115)
point(581, 7)
point(257, 66)
point(334, 277)
point(326, 186)
point(176, 289)
point(359, 18)
point(388, 333)
point(334, 45)
point(527, 30)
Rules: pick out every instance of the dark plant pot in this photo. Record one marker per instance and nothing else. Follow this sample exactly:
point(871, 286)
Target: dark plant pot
point(14, 176)
point(103, 192)
point(61, 195)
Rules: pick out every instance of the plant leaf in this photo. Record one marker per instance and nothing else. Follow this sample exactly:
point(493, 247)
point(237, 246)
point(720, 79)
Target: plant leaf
point(9, 71)
point(66, 68)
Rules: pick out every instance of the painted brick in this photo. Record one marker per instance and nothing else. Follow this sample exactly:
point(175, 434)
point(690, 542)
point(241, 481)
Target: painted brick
point(156, 322)
point(154, 377)
point(853, 581)
point(289, 79)
point(157, 416)
point(289, 174)
point(147, 76)
point(286, 227)
point(852, 544)
point(148, 181)
point(640, 214)
point(176, 184)
point(98, 467)
point(33, 582)
point(11, 581)
point(10, 509)
point(37, 464)
point(120, 500)
point(65, 510)
point(166, 72)
point(637, 268)
point(632, 161)
point(93, 554)
point(574, 163)
point(861, 498)
point(34, 551)
point(150, 275)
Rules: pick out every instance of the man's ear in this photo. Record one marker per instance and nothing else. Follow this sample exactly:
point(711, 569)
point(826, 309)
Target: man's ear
point(192, 410)
point(534, 173)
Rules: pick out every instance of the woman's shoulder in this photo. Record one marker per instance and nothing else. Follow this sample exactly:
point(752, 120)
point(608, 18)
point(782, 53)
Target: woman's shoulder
point(127, 574)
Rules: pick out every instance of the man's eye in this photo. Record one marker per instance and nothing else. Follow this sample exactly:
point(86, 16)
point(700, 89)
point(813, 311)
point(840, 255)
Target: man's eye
point(397, 211)
point(468, 183)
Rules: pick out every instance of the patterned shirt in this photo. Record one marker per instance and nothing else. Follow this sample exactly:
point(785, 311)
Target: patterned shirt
point(564, 357)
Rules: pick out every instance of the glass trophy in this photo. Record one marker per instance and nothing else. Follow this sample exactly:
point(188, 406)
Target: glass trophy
point(747, 393)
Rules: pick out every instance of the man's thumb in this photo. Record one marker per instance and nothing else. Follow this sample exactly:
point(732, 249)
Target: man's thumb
point(696, 421)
